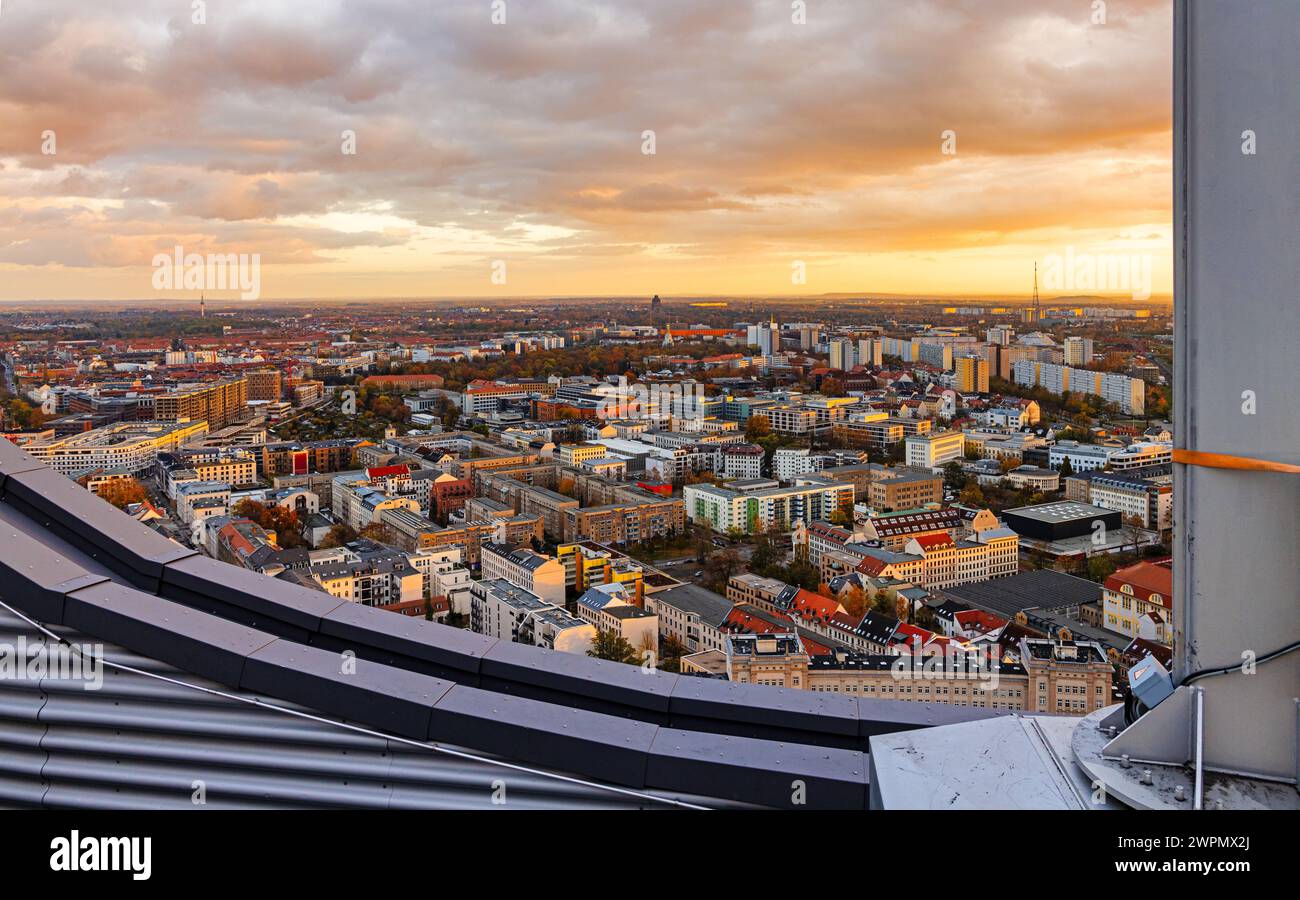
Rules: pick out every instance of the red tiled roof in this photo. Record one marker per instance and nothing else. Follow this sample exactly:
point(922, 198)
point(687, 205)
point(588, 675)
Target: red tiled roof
point(979, 620)
point(810, 605)
point(1145, 578)
point(934, 541)
point(872, 565)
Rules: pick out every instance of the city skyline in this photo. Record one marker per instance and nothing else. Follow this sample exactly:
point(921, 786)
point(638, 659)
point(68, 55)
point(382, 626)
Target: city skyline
point(517, 149)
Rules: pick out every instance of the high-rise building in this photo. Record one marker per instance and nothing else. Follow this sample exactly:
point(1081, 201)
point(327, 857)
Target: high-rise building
point(265, 384)
point(843, 355)
point(218, 403)
point(972, 374)
point(1078, 351)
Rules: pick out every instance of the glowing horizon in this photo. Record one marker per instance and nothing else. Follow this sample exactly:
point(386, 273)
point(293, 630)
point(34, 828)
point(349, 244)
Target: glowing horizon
point(931, 148)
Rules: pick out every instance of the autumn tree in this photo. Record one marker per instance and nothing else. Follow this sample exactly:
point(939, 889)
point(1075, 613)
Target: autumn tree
point(833, 387)
point(337, 536)
point(283, 522)
point(757, 427)
point(855, 601)
point(379, 532)
point(122, 492)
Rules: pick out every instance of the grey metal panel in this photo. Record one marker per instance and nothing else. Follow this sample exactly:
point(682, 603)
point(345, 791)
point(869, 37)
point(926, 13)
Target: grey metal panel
point(13, 461)
point(890, 716)
point(766, 712)
point(595, 684)
point(141, 741)
point(135, 552)
point(609, 748)
point(352, 689)
point(404, 641)
point(204, 644)
point(779, 775)
point(35, 579)
point(1237, 314)
point(235, 593)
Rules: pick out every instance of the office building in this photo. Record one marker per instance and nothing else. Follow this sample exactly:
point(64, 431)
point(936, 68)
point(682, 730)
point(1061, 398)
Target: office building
point(933, 450)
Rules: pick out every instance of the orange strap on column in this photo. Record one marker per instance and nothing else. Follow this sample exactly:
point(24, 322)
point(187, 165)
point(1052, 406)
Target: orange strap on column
point(1225, 461)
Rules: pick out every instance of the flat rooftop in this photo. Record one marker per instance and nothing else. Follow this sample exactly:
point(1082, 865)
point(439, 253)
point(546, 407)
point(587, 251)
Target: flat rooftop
point(1060, 511)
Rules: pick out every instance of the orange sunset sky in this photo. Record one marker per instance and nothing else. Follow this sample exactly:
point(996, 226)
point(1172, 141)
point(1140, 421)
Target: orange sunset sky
point(775, 142)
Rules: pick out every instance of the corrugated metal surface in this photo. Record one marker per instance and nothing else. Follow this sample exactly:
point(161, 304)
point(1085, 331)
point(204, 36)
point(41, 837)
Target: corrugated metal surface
point(145, 738)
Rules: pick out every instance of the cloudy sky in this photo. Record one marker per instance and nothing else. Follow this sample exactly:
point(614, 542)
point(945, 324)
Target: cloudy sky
point(775, 143)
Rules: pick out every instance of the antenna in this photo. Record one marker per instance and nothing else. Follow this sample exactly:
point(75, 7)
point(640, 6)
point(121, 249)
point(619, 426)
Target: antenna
point(1038, 310)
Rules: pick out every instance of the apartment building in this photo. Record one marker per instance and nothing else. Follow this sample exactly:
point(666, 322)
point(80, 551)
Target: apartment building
point(990, 553)
point(508, 612)
point(234, 466)
point(1129, 394)
point(542, 575)
point(444, 576)
point(577, 454)
point(972, 374)
point(358, 499)
point(875, 430)
point(265, 385)
point(305, 457)
point(610, 608)
point(737, 507)
point(469, 538)
point(201, 500)
point(796, 420)
point(690, 615)
point(1078, 351)
point(740, 461)
point(218, 403)
point(756, 590)
point(628, 522)
point(896, 529)
point(126, 446)
point(367, 573)
point(588, 564)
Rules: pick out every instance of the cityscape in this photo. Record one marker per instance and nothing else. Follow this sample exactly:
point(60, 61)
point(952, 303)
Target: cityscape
point(576, 406)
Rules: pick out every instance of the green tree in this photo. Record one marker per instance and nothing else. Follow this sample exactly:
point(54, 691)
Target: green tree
point(719, 569)
point(1100, 567)
point(613, 646)
point(884, 604)
point(954, 479)
point(671, 651)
